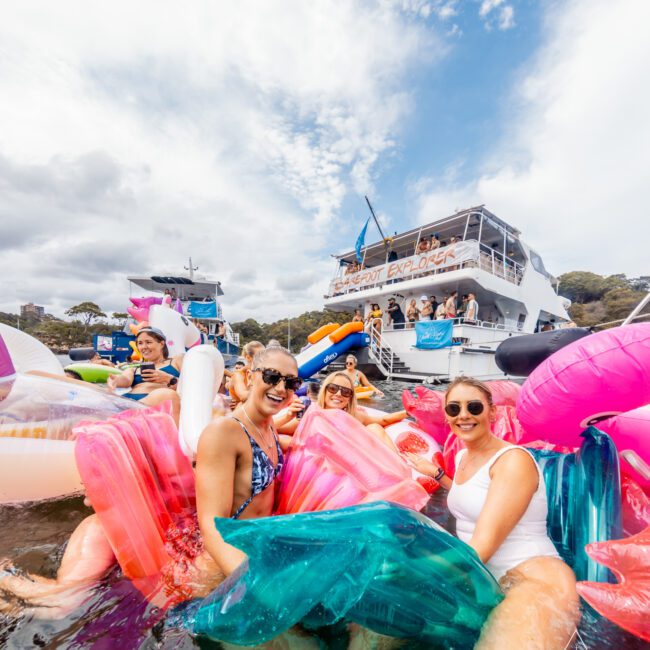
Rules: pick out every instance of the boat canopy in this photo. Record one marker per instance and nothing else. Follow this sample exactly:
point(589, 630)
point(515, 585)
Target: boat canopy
point(476, 223)
point(186, 288)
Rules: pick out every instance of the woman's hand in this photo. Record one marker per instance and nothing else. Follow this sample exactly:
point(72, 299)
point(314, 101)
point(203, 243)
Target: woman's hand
point(156, 377)
point(111, 382)
point(421, 464)
point(295, 406)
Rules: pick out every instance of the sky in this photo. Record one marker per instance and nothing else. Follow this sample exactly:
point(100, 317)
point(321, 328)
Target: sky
point(245, 135)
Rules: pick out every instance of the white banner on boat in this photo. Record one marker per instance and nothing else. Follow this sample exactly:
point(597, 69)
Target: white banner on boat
point(452, 255)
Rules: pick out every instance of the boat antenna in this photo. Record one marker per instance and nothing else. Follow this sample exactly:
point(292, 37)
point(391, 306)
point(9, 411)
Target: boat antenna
point(191, 269)
point(374, 216)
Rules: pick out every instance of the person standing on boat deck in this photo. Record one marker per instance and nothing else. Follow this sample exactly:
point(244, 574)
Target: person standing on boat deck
point(434, 307)
point(423, 246)
point(412, 313)
point(441, 312)
point(506, 527)
point(426, 311)
point(450, 305)
point(374, 318)
point(463, 305)
point(395, 314)
point(471, 311)
point(435, 242)
point(357, 318)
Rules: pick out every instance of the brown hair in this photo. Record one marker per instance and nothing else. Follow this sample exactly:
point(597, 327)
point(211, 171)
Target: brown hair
point(470, 381)
point(352, 402)
point(154, 335)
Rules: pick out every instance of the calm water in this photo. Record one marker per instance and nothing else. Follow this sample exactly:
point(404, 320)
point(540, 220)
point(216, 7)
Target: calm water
point(34, 538)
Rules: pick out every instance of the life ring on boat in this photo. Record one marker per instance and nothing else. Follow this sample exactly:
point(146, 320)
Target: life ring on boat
point(520, 355)
point(586, 382)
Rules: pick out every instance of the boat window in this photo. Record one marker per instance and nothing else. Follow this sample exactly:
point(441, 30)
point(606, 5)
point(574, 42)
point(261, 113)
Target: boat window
point(537, 263)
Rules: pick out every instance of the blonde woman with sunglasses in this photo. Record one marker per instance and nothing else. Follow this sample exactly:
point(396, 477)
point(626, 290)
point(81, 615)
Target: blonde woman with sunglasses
point(337, 392)
point(498, 497)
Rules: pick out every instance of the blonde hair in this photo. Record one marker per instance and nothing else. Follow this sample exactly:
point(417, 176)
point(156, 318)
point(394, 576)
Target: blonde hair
point(351, 408)
point(351, 356)
point(251, 349)
point(474, 383)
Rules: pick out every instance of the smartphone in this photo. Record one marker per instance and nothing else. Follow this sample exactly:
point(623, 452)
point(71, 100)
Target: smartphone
point(147, 367)
point(306, 401)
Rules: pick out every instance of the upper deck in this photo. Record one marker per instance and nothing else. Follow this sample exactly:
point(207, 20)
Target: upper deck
point(472, 238)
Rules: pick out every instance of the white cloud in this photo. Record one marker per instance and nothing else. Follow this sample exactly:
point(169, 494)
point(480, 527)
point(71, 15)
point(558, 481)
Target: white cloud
point(495, 12)
point(135, 135)
point(572, 171)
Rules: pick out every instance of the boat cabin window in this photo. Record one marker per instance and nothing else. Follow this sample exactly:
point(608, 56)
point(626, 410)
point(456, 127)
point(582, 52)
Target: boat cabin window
point(537, 263)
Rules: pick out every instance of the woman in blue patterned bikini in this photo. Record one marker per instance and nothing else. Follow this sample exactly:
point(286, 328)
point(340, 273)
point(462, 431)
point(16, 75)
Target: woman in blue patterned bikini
point(238, 458)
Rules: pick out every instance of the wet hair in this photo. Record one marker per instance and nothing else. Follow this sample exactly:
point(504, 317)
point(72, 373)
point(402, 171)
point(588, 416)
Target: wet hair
point(252, 348)
point(351, 356)
point(158, 337)
point(313, 388)
point(261, 357)
point(351, 408)
point(474, 383)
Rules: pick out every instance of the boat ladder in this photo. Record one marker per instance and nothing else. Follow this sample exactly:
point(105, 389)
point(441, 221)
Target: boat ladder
point(380, 352)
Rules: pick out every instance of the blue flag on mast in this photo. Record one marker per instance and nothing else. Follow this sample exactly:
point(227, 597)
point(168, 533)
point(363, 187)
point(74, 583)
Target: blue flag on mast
point(360, 241)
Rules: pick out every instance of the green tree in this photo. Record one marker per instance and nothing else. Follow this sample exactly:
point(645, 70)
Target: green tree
point(88, 311)
point(120, 316)
point(581, 286)
point(620, 302)
point(61, 335)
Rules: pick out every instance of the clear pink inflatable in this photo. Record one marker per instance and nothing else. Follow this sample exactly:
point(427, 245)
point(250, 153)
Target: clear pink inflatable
point(334, 462)
point(587, 382)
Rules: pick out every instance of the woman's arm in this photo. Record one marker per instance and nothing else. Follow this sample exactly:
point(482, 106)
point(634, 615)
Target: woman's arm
point(427, 468)
point(514, 481)
point(125, 380)
point(216, 462)
point(238, 387)
point(384, 420)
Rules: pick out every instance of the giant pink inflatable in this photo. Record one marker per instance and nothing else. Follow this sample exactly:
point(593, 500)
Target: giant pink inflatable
point(589, 382)
point(631, 433)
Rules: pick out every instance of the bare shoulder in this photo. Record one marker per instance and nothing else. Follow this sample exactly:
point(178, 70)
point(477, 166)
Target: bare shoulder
point(219, 436)
point(516, 463)
point(177, 361)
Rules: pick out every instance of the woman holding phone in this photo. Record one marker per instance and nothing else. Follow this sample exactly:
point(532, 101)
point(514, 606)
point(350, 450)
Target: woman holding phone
point(155, 380)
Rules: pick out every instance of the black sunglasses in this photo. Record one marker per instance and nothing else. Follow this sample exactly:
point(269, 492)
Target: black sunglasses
point(332, 389)
point(475, 407)
point(273, 378)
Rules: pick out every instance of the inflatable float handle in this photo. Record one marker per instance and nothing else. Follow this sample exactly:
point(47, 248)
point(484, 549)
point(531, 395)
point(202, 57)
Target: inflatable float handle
point(322, 332)
point(344, 330)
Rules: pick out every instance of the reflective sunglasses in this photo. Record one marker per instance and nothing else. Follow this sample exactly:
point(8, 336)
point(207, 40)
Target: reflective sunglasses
point(332, 389)
point(475, 407)
point(349, 363)
point(273, 378)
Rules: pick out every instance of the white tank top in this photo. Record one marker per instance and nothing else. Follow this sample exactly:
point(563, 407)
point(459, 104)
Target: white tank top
point(526, 540)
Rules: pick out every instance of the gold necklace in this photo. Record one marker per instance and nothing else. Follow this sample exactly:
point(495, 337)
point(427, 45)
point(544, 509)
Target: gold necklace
point(269, 446)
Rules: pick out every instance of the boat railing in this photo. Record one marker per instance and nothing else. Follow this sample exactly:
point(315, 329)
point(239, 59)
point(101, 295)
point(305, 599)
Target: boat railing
point(474, 255)
point(380, 351)
point(460, 321)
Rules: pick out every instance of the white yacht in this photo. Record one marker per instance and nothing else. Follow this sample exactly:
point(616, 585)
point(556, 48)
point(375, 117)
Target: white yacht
point(478, 254)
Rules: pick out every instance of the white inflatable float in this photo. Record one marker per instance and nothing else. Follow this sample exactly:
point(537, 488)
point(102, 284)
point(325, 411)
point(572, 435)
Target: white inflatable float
point(36, 419)
point(202, 374)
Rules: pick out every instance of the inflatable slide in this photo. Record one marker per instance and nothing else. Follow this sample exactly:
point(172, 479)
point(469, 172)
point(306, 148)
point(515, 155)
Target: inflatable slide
point(327, 344)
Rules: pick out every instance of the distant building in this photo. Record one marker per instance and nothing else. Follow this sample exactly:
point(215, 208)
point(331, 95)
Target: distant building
point(30, 309)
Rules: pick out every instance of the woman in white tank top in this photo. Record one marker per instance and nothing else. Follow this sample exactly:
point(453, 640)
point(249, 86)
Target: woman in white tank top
point(498, 497)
